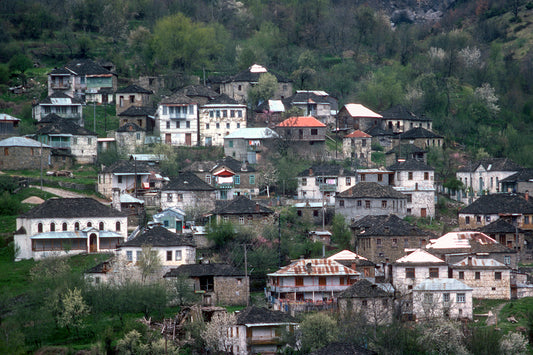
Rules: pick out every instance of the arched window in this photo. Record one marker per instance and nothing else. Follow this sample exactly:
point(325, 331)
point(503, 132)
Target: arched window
point(101, 226)
point(89, 224)
point(117, 226)
point(52, 227)
point(64, 227)
point(77, 226)
point(40, 228)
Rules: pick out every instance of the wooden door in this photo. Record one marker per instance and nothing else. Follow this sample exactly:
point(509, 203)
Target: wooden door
point(93, 248)
point(188, 140)
point(423, 212)
point(168, 138)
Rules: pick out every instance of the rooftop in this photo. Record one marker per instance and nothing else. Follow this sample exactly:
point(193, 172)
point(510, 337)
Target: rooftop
point(501, 203)
point(319, 267)
point(301, 121)
point(358, 134)
point(254, 315)
point(71, 208)
point(386, 225)
point(420, 256)
point(252, 133)
point(186, 181)
point(160, 237)
point(371, 190)
point(358, 110)
point(22, 142)
point(242, 205)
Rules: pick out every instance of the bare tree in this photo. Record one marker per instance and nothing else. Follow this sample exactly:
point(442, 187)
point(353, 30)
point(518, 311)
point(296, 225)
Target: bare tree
point(149, 262)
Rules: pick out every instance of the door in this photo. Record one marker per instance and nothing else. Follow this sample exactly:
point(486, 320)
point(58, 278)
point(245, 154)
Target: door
point(168, 138)
point(93, 248)
point(423, 212)
point(188, 140)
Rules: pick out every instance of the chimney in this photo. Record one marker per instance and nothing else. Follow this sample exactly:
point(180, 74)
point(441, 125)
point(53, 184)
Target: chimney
point(310, 171)
point(527, 195)
point(469, 261)
point(256, 207)
point(116, 199)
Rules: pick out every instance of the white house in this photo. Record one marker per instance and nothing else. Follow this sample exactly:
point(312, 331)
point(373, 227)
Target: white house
point(416, 267)
point(220, 117)
point(177, 120)
point(320, 183)
point(437, 298)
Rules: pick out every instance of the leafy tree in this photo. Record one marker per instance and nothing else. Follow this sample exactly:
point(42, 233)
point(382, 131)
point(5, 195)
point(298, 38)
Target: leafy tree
point(149, 262)
point(20, 63)
point(221, 233)
point(217, 335)
point(443, 337)
point(317, 330)
point(340, 231)
point(514, 343)
point(133, 344)
point(182, 291)
point(266, 87)
point(73, 309)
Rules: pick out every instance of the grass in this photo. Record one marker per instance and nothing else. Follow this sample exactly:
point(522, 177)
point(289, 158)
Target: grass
point(82, 175)
point(521, 310)
point(104, 116)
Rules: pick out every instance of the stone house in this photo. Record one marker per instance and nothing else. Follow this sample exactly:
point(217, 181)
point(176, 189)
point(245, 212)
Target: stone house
point(171, 218)
point(381, 176)
point(219, 284)
point(386, 238)
point(171, 248)
point(9, 125)
point(358, 117)
point(314, 103)
point(416, 180)
point(420, 137)
point(412, 269)
point(249, 144)
point(65, 135)
point(69, 226)
point(445, 297)
point(405, 152)
point(399, 119)
point(85, 79)
point(129, 176)
point(484, 177)
point(489, 278)
point(358, 145)
point(370, 199)
point(243, 211)
point(515, 208)
point(521, 182)
point(62, 105)
point(198, 93)
point(238, 86)
point(129, 138)
point(143, 117)
point(309, 281)
point(132, 96)
point(259, 330)
point(20, 153)
point(321, 183)
point(132, 206)
point(374, 302)
point(356, 262)
point(220, 117)
point(177, 120)
point(509, 235)
point(189, 193)
point(381, 137)
point(306, 136)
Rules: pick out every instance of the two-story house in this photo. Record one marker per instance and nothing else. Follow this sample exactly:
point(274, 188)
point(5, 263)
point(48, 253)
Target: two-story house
point(415, 179)
point(218, 118)
point(128, 176)
point(20, 153)
point(177, 120)
point(381, 176)
point(132, 96)
point(442, 298)
point(243, 211)
point(507, 234)
point(306, 136)
point(321, 183)
point(315, 103)
point(69, 226)
point(420, 137)
point(399, 119)
point(356, 116)
point(249, 144)
point(143, 117)
point(405, 151)
point(62, 105)
point(412, 269)
point(358, 145)
point(129, 138)
point(520, 182)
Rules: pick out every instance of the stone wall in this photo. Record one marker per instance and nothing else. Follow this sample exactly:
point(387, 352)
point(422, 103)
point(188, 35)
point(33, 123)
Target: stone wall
point(487, 286)
point(231, 290)
point(20, 158)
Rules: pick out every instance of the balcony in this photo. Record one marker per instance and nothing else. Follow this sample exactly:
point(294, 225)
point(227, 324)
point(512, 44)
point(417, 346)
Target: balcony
point(178, 116)
point(266, 340)
point(60, 86)
point(309, 288)
point(327, 187)
point(225, 186)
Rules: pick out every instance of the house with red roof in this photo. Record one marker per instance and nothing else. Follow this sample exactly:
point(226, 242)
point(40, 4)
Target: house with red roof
point(305, 135)
point(358, 145)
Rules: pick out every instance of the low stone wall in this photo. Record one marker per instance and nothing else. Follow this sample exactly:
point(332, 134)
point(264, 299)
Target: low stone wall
point(63, 184)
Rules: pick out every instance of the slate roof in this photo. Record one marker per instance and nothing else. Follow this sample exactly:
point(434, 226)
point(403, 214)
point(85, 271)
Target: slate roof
point(134, 89)
point(410, 165)
point(343, 348)
point(364, 289)
point(309, 96)
point(442, 285)
point(22, 142)
point(358, 134)
point(72, 208)
point(524, 175)
point(499, 226)
point(86, 67)
point(60, 71)
point(130, 127)
point(402, 113)
point(327, 170)
point(491, 164)
point(252, 77)
point(199, 270)
point(5, 117)
point(138, 111)
point(301, 122)
point(102, 268)
point(376, 131)
point(406, 149)
point(242, 205)
point(499, 203)
point(186, 181)
point(177, 98)
point(358, 110)
point(222, 99)
point(60, 95)
point(308, 267)
point(160, 237)
point(129, 167)
point(198, 90)
point(232, 163)
point(418, 132)
point(472, 262)
point(386, 225)
point(51, 117)
point(371, 190)
point(64, 126)
point(260, 315)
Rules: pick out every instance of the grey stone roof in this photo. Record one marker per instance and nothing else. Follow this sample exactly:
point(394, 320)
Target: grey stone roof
point(371, 190)
point(364, 289)
point(129, 167)
point(72, 208)
point(524, 175)
point(102, 268)
point(242, 205)
point(64, 126)
point(61, 95)
point(235, 165)
point(138, 111)
point(60, 71)
point(160, 237)
point(186, 181)
point(418, 132)
point(86, 67)
point(177, 98)
point(136, 89)
point(198, 90)
point(386, 225)
point(130, 127)
point(499, 203)
point(491, 164)
point(199, 270)
point(402, 113)
point(376, 131)
point(222, 100)
point(327, 170)
point(51, 117)
point(22, 142)
point(343, 348)
point(499, 226)
point(248, 76)
point(405, 149)
point(261, 315)
point(410, 165)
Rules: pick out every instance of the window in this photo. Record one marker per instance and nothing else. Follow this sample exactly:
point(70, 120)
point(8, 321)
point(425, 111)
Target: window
point(478, 219)
point(169, 255)
point(406, 243)
point(426, 175)
point(77, 226)
point(428, 298)
point(487, 218)
point(227, 125)
point(367, 204)
point(410, 175)
point(409, 272)
point(129, 255)
point(364, 303)
point(208, 179)
point(207, 126)
point(315, 213)
point(52, 227)
point(218, 125)
point(363, 177)
point(237, 179)
point(348, 181)
point(138, 136)
point(101, 226)
point(321, 281)
point(461, 298)
point(64, 227)
point(304, 182)
point(477, 275)
point(178, 255)
point(230, 143)
point(467, 220)
point(211, 114)
point(409, 198)
point(341, 203)
point(132, 98)
point(299, 281)
point(239, 114)
point(378, 242)
point(238, 125)
point(89, 224)
point(526, 219)
point(138, 254)
point(314, 131)
point(359, 203)
point(498, 275)
point(188, 124)
point(252, 179)
point(168, 124)
point(180, 197)
point(177, 124)
point(461, 275)
point(446, 297)
point(434, 272)
point(169, 197)
point(384, 204)
point(507, 260)
point(117, 226)
point(241, 219)
point(380, 177)
point(394, 242)
point(225, 114)
point(299, 213)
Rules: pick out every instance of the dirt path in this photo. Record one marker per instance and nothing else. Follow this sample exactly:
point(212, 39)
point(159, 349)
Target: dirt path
point(66, 193)
point(492, 319)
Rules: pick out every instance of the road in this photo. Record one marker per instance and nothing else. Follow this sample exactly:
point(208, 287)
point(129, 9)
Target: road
point(66, 193)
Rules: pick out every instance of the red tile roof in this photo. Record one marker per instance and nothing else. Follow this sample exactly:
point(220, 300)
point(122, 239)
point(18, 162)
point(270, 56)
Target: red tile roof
point(301, 122)
point(358, 134)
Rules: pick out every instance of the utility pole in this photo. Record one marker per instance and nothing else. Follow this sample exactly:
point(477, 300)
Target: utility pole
point(279, 240)
point(94, 116)
point(41, 162)
point(246, 273)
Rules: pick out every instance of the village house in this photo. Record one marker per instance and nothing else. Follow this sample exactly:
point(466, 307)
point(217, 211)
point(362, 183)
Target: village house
point(483, 177)
point(172, 249)
point(404, 152)
point(132, 96)
point(316, 213)
point(412, 269)
point(269, 113)
point(415, 179)
point(220, 117)
point(65, 135)
point(420, 137)
point(358, 145)
point(489, 278)
point(62, 105)
point(129, 176)
point(69, 226)
point(218, 284)
point(100, 273)
point(515, 208)
point(381, 176)
point(84, 79)
point(189, 193)
point(20, 153)
point(509, 235)
point(386, 238)
point(9, 125)
point(358, 117)
point(315, 103)
point(243, 211)
point(374, 302)
point(238, 86)
point(521, 182)
point(399, 119)
point(444, 297)
point(143, 117)
point(130, 205)
point(260, 331)
point(129, 138)
point(306, 283)
point(356, 262)
point(199, 93)
point(171, 218)
point(381, 137)
point(177, 120)
point(321, 183)
point(250, 144)
point(306, 136)
point(370, 199)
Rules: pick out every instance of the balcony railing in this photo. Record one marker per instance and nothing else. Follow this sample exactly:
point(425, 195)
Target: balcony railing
point(266, 340)
point(61, 145)
point(327, 187)
point(225, 186)
point(60, 86)
point(309, 288)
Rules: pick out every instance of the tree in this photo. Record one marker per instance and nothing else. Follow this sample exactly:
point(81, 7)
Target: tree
point(72, 310)
point(221, 233)
point(443, 336)
point(217, 336)
point(268, 175)
point(317, 330)
point(513, 343)
point(341, 234)
point(266, 87)
point(183, 291)
point(19, 63)
point(149, 262)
